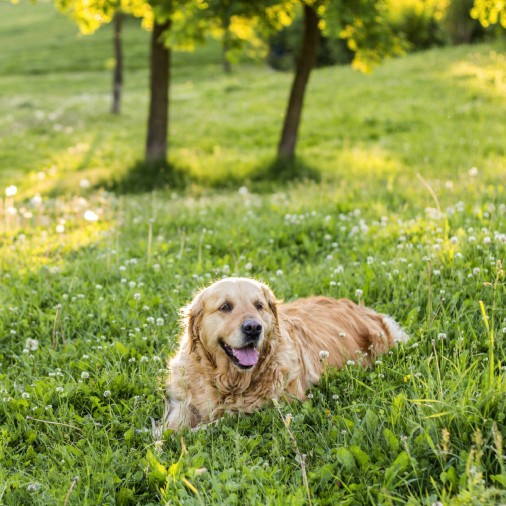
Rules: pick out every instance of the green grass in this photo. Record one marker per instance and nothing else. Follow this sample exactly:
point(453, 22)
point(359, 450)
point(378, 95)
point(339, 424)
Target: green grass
point(101, 298)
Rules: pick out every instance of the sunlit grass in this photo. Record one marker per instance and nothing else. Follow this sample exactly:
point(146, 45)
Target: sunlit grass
point(409, 217)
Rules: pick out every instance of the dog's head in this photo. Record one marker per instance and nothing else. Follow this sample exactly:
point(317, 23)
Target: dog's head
point(233, 320)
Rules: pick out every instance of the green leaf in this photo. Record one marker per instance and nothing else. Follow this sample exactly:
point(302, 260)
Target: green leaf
point(345, 457)
point(399, 465)
point(121, 347)
point(371, 421)
point(361, 457)
point(158, 471)
point(397, 405)
point(391, 439)
point(499, 478)
point(450, 477)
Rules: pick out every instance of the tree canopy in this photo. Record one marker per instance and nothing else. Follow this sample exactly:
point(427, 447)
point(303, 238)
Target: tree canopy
point(489, 12)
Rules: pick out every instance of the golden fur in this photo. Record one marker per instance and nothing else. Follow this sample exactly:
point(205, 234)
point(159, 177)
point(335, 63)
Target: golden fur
point(206, 379)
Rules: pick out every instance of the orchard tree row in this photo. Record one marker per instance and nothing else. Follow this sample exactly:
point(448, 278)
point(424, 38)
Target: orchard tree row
point(185, 23)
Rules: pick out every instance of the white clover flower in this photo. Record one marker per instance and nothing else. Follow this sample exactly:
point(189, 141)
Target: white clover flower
point(358, 293)
point(351, 362)
point(90, 216)
point(25, 395)
point(473, 171)
point(144, 358)
point(59, 389)
point(471, 238)
point(333, 283)
point(132, 359)
point(156, 358)
point(85, 357)
point(36, 200)
point(436, 272)
point(33, 487)
point(279, 272)
point(160, 321)
point(324, 354)
point(32, 344)
point(48, 407)
point(248, 266)
point(85, 375)
point(441, 335)
point(487, 240)
point(84, 183)
point(98, 287)
point(150, 319)
point(137, 296)
point(335, 397)
point(378, 362)
point(107, 393)
point(132, 284)
point(10, 191)
point(476, 271)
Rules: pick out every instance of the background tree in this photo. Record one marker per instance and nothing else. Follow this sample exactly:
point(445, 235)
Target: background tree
point(90, 15)
point(117, 81)
point(363, 24)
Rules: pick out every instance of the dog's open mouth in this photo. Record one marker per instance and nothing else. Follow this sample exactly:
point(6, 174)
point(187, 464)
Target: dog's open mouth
point(244, 358)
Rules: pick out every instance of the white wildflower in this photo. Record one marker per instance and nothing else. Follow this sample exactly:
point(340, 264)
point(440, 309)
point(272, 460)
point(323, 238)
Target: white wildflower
point(90, 216)
point(10, 191)
point(32, 344)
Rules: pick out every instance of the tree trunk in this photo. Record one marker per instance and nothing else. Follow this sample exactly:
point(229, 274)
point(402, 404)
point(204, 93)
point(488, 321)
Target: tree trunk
point(305, 63)
point(156, 143)
point(227, 67)
point(118, 64)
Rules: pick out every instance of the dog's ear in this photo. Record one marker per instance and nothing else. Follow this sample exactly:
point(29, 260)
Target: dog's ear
point(192, 315)
point(271, 300)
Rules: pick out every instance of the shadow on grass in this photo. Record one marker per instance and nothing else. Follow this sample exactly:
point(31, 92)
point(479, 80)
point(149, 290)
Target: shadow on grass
point(285, 171)
point(145, 177)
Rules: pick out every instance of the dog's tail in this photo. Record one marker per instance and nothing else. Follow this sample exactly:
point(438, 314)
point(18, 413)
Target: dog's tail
point(395, 329)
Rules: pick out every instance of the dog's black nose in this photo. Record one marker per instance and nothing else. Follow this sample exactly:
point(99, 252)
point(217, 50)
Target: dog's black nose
point(252, 328)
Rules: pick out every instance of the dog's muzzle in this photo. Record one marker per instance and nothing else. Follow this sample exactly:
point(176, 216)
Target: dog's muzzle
point(244, 358)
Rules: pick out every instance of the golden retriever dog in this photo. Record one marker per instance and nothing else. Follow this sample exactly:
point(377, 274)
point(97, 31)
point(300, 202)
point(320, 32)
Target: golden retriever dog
point(241, 348)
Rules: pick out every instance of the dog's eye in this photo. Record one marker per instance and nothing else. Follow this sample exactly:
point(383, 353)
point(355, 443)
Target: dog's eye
point(227, 307)
point(259, 305)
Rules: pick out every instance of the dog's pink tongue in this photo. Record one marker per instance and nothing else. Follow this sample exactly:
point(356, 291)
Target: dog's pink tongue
point(246, 356)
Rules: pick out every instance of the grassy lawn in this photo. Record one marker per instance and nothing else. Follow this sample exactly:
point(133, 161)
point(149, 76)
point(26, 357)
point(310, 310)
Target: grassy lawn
point(409, 216)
